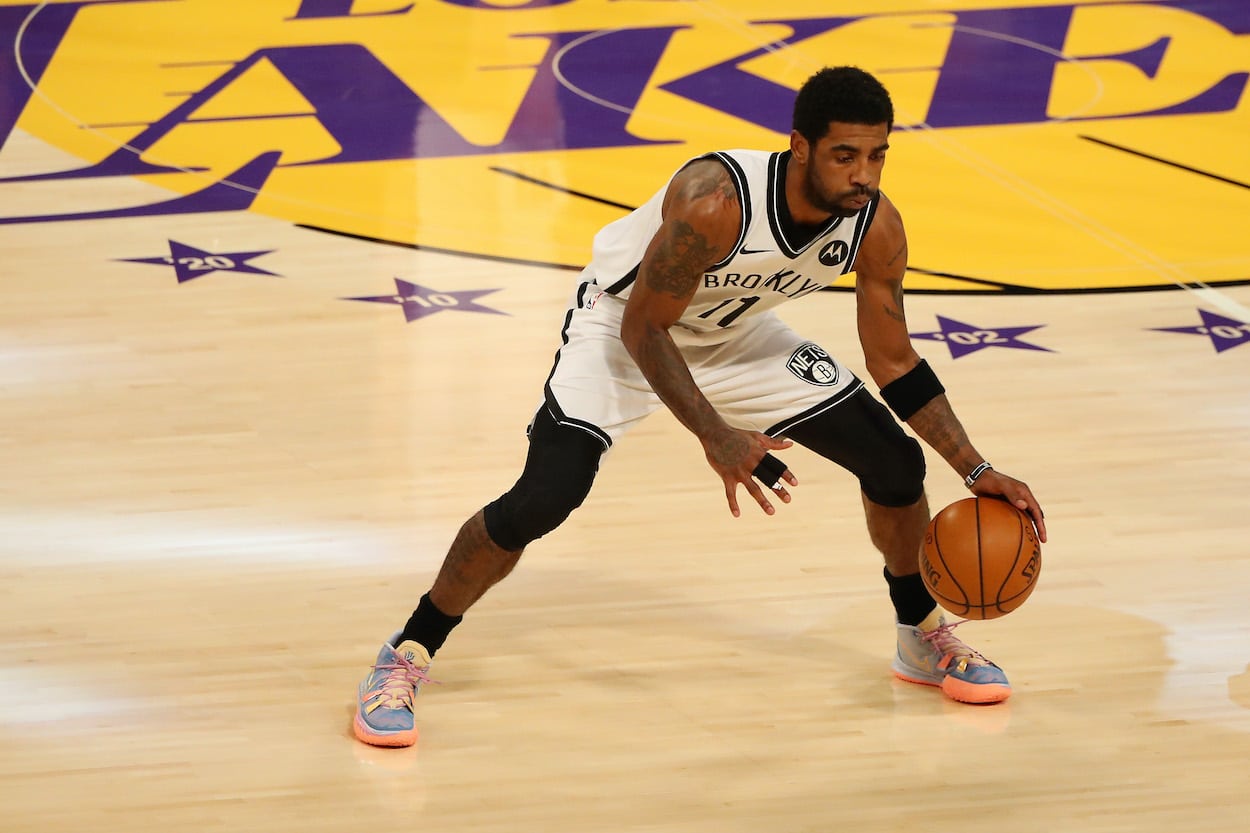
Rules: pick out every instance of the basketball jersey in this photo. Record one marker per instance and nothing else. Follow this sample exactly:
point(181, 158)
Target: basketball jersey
point(765, 268)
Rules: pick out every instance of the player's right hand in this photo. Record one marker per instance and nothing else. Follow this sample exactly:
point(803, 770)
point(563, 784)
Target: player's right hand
point(735, 454)
point(996, 484)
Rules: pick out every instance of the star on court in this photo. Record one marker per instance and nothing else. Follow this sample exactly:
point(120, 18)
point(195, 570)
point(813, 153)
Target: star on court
point(190, 263)
point(1225, 333)
point(963, 339)
point(419, 301)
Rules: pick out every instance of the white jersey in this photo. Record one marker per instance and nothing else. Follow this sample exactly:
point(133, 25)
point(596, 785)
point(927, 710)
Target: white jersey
point(765, 268)
point(755, 370)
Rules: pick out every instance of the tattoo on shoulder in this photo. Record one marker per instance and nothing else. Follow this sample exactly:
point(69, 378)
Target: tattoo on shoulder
point(679, 261)
point(710, 178)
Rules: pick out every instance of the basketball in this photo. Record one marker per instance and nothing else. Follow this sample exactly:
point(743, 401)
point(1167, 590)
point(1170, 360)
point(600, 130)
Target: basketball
point(980, 558)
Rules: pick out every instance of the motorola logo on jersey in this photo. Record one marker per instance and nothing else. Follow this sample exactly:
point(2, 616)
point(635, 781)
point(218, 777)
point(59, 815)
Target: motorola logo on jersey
point(834, 253)
point(320, 111)
point(812, 364)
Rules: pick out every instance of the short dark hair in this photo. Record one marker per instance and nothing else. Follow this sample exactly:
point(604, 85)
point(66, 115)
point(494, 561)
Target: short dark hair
point(845, 94)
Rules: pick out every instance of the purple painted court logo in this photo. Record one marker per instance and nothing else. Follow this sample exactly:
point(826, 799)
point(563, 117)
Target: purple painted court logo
point(963, 339)
point(190, 263)
point(301, 109)
point(418, 301)
point(1225, 333)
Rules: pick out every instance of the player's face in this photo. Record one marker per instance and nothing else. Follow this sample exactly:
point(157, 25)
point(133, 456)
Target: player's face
point(844, 167)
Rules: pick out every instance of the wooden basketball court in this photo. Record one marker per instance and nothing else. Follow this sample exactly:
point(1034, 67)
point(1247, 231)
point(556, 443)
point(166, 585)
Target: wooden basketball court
point(259, 365)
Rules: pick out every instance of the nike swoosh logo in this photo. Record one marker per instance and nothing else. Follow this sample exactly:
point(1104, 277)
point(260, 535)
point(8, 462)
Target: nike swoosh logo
point(746, 251)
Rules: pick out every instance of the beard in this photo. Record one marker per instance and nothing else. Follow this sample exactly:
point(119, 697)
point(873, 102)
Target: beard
point(835, 204)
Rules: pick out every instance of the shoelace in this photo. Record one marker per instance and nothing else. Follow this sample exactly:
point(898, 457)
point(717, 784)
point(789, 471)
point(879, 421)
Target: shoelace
point(950, 645)
point(400, 685)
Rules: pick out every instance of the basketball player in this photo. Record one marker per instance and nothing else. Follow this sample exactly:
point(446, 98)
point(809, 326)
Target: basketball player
point(676, 310)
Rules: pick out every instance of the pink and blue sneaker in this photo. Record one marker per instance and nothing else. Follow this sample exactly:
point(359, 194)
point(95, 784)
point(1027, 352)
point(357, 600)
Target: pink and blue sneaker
point(384, 711)
point(934, 656)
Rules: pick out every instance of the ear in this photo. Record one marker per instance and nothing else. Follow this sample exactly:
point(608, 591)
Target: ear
point(799, 147)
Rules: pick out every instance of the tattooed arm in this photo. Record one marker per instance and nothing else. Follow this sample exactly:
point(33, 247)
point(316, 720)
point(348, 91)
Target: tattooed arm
point(888, 354)
point(700, 227)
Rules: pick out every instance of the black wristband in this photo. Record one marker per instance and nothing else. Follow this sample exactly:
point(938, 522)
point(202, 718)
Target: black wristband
point(769, 471)
point(912, 391)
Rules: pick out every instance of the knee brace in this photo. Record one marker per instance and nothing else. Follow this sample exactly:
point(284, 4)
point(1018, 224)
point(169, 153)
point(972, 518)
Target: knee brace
point(559, 470)
point(861, 436)
point(896, 478)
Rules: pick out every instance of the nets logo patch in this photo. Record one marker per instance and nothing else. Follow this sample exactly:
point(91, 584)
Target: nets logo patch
point(813, 365)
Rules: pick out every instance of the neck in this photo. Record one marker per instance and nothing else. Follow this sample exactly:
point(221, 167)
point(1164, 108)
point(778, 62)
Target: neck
point(801, 211)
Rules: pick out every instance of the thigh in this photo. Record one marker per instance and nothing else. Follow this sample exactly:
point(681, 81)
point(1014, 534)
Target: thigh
point(863, 437)
point(595, 385)
point(770, 378)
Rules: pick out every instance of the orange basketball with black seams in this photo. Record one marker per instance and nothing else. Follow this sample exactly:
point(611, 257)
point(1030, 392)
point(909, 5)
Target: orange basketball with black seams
point(980, 558)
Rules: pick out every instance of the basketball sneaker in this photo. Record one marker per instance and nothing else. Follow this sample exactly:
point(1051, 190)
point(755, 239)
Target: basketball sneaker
point(930, 654)
point(384, 711)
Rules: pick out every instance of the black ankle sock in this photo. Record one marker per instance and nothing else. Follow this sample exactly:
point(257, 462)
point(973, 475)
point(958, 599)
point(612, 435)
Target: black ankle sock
point(428, 626)
point(912, 602)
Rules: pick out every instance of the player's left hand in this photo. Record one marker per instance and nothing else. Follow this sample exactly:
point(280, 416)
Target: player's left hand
point(996, 484)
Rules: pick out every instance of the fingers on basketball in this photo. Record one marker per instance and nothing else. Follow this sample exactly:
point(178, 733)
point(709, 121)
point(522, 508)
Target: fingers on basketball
point(980, 558)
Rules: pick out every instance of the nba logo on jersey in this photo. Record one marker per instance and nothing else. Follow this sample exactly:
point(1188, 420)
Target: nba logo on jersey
point(812, 364)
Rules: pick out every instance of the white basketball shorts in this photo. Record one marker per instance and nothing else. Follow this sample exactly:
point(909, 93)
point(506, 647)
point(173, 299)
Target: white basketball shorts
point(759, 375)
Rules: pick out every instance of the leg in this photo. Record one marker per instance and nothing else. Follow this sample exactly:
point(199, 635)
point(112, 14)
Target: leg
point(559, 470)
point(473, 565)
point(898, 532)
point(863, 437)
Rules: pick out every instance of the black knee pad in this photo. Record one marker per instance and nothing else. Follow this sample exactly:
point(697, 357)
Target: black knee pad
point(860, 435)
point(896, 479)
point(559, 471)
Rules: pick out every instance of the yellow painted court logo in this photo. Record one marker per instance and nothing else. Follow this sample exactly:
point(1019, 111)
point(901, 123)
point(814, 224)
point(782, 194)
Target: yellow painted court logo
point(1107, 138)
